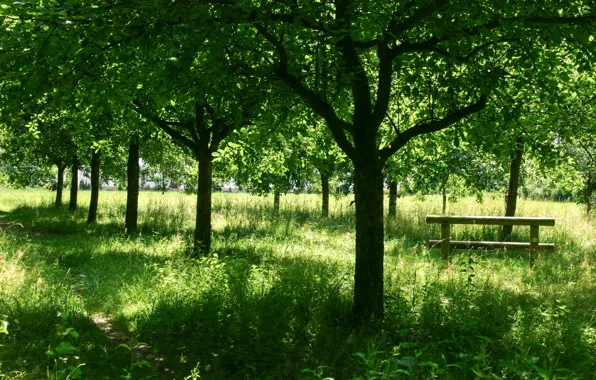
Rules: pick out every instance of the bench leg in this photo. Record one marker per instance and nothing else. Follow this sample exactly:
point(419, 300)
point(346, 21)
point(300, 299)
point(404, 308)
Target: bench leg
point(534, 240)
point(445, 241)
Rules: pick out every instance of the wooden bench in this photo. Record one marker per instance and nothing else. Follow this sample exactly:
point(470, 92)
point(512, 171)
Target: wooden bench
point(534, 246)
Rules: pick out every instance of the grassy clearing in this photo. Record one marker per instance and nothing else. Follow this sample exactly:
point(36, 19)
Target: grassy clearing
point(274, 299)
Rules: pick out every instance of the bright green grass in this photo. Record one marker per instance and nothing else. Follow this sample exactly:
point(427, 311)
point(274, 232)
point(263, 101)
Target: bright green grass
point(274, 299)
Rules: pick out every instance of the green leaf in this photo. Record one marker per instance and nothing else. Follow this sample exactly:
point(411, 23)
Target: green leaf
point(65, 348)
point(124, 345)
point(540, 371)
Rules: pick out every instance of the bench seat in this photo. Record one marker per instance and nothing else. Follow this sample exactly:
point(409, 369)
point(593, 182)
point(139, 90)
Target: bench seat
point(512, 246)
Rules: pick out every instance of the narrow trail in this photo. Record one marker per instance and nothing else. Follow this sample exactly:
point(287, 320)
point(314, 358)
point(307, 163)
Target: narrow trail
point(141, 351)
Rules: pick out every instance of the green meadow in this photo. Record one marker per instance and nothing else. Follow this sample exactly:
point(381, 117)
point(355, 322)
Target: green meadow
point(273, 300)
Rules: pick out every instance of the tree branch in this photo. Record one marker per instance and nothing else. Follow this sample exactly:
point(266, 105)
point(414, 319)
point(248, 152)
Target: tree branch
point(429, 44)
point(166, 126)
point(475, 51)
point(384, 86)
point(396, 29)
point(321, 107)
point(433, 126)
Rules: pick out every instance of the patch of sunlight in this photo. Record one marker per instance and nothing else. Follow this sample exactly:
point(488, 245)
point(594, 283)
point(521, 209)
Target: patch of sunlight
point(12, 274)
point(133, 309)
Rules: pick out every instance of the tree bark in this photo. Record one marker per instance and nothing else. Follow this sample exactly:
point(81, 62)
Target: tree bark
point(59, 186)
point(95, 161)
point(444, 191)
point(276, 200)
point(132, 190)
point(202, 241)
point(392, 199)
point(511, 199)
point(325, 189)
point(589, 195)
point(74, 184)
point(368, 279)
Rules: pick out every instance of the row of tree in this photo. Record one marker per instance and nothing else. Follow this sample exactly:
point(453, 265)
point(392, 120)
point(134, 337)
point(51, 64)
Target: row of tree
point(254, 80)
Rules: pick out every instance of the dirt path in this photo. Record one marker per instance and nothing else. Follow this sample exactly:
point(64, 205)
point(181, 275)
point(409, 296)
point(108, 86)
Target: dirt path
point(141, 351)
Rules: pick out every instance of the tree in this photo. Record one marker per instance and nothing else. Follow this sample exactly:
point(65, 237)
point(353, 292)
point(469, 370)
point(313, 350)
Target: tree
point(264, 161)
point(443, 163)
point(446, 58)
point(325, 156)
point(199, 119)
point(373, 45)
point(43, 132)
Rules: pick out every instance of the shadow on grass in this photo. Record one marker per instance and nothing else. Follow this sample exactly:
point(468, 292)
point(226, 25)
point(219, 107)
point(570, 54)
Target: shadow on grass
point(54, 339)
point(279, 318)
point(251, 314)
point(97, 271)
point(253, 321)
point(48, 220)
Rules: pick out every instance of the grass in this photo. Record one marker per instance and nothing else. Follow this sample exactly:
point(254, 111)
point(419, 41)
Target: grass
point(274, 298)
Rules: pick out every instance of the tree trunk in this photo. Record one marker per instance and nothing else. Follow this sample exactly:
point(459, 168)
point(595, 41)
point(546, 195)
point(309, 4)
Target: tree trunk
point(59, 186)
point(132, 190)
point(444, 191)
point(202, 243)
point(74, 184)
point(325, 188)
point(513, 186)
point(392, 199)
point(95, 161)
point(589, 195)
point(276, 200)
point(368, 279)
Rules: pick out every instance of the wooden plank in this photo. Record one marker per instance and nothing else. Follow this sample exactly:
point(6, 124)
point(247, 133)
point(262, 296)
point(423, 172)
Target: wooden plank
point(534, 244)
point(445, 241)
point(495, 220)
point(512, 246)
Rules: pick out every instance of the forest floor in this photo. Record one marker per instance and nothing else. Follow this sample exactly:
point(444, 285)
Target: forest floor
point(273, 300)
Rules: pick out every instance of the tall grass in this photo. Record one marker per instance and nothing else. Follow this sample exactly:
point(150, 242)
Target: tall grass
point(274, 298)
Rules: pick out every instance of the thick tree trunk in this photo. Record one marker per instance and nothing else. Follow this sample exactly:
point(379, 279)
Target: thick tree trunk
point(59, 187)
point(202, 242)
point(74, 184)
point(513, 186)
point(589, 195)
point(325, 189)
point(392, 199)
point(368, 279)
point(276, 200)
point(95, 161)
point(132, 191)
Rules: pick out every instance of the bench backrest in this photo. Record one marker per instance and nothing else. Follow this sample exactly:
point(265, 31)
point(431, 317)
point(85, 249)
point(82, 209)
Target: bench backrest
point(492, 220)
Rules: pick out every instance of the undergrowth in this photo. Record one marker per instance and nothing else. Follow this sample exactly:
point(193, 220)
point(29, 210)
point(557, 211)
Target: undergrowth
point(273, 300)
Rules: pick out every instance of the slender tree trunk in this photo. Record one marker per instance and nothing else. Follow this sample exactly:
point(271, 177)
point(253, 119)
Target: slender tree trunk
point(392, 199)
point(513, 186)
point(444, 191)
point(59, 186)
point(202, 242)
point(95, 161)
point(276, 200)
point(325, 188)
point(368, 279)
point(74, 184)
point(589, 195)
point(132, 191)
